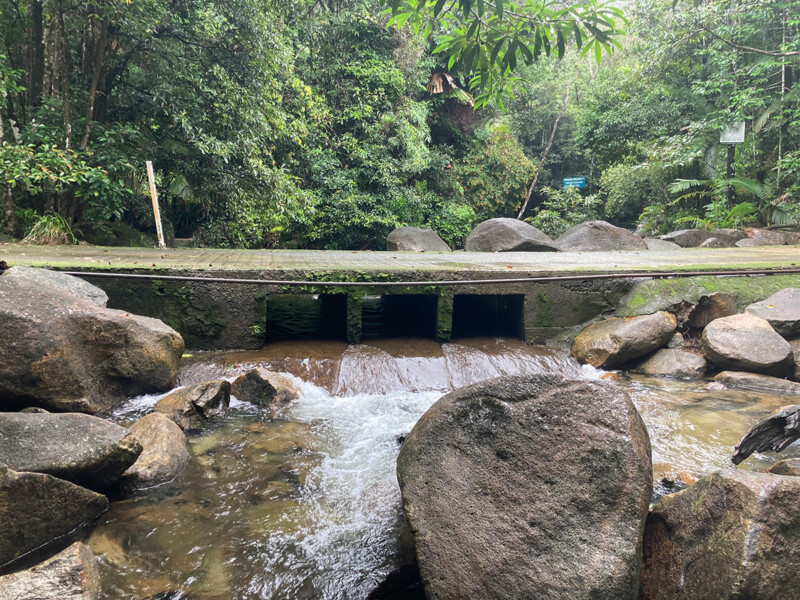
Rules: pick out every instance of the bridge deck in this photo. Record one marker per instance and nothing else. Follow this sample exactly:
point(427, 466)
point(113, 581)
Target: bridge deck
point(205, 259)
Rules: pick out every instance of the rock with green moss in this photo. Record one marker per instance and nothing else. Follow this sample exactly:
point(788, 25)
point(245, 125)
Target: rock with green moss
point(731, 536)
point(614, 342)
point(650, 296)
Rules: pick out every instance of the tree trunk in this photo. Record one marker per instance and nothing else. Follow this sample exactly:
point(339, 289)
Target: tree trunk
point(36, 74)
point(63, 69)
point(98, 58)
point(545, 153)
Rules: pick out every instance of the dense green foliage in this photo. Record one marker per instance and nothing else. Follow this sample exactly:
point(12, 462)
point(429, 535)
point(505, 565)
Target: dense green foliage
point(304, 123)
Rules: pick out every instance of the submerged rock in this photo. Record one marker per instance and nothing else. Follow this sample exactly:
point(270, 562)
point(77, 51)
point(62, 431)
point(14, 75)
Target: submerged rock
point(71, 574)
point(414, 239)
point(730, 536)
point(672, 363)
point(36, 508)
point(616, 341)
point(789, 467)
point(759, 383)
point(80, 448)
point(746, 343)
point(165, 453)
point(781, 310)
point(508, 235)
point(501, 486)
point(193, 405)
point(64, 352)
point(594, 236)
point(264, 388)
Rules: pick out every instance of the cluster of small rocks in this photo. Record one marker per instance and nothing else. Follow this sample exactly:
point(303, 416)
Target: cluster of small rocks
point(62, 350)
point(513, 235)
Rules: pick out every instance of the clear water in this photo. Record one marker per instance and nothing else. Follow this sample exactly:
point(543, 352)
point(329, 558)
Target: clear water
point(307, 505)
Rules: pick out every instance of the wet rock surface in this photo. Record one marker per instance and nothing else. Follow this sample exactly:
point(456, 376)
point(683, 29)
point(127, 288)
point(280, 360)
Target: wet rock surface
point(596, 236)
point(508, 235)
point(83, 449)
point(71, 574)
point(746, 343)
point(732, 535)
point(36, 508)
point(414, 239)
point(789, 467)
point(499, 483)
point(264, 388)
point(759, 383)
point(672, 363)
point(63, 352)
point(193, 405)
point(781, 310)
point(616, 341)
point(165, 453)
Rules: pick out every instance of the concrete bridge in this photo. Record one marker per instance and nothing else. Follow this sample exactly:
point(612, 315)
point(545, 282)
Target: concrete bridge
point(355, 295)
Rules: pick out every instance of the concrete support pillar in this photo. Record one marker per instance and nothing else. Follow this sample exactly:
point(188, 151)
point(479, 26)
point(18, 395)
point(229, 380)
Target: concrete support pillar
point(353, 319)
point(444, 317)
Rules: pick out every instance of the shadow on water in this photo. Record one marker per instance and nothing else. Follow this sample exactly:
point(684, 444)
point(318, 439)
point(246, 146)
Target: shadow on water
point(306, 505)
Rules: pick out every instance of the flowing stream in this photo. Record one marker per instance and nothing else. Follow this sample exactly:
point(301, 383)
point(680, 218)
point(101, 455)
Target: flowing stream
point(306, 505)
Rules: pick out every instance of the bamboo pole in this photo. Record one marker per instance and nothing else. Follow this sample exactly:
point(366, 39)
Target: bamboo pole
point(156, 212)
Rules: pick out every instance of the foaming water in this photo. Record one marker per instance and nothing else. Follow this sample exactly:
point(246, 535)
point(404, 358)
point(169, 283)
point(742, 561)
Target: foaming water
point(306, 505)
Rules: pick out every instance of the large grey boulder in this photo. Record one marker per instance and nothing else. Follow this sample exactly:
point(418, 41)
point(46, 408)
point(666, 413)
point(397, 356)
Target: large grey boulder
point(72, 574)
point(616, 341)
point(164, 456)
point(528, 487)
point(264, 388)
point(692, 238)
point(762, 237)
point(781, 310)
point(80, 448)
point(414, 239)
point(66, 283)
point(746, 343)
point(660, 245)
point(730, 536)
point(672, 363)
point(508, 235)
point(66, 353)
point(594, 236)
point(36, 508)
point(191, 406)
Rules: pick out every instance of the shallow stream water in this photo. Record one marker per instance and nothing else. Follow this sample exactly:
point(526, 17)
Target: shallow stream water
point(306, 505)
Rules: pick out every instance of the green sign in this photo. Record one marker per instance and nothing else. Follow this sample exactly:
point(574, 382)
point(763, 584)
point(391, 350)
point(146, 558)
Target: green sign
point(576, 182)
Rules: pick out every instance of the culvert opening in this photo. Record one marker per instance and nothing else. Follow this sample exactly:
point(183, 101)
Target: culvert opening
point(488, 315)
point(401, 315)
point(306, 317)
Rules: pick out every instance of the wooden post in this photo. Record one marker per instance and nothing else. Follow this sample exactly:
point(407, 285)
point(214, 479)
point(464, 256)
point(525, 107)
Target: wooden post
point(156, 213)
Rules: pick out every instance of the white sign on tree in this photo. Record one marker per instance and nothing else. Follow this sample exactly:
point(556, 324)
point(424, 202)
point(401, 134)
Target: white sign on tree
point(733, 133)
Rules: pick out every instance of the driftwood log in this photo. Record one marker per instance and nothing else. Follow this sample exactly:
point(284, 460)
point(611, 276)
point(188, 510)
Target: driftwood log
point(773, 434)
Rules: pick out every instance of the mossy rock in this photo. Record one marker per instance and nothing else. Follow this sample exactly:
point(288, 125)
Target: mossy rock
point(652, 296)
point(118, 234)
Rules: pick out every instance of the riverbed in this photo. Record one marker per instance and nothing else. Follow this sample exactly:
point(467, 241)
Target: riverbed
point(306, 505)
